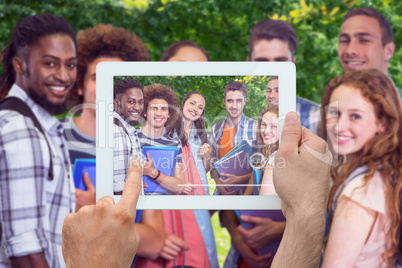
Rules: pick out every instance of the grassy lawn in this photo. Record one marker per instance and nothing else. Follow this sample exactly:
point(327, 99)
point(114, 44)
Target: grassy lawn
point(222, 238)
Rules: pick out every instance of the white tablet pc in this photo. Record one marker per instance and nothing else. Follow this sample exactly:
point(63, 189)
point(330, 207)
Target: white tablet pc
point(184, 77)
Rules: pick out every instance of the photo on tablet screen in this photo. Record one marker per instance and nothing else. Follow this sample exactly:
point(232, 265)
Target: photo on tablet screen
point(206, 133)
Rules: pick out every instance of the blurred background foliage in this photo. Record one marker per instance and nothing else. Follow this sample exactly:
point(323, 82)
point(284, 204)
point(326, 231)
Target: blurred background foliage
point(222, 27)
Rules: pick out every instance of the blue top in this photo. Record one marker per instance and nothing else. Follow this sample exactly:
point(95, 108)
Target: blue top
point(195, 146)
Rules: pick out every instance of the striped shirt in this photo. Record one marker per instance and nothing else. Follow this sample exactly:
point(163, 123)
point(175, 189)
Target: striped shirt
point(162, 140)
point(79, 144)
point(32, 207)
point(309, 112)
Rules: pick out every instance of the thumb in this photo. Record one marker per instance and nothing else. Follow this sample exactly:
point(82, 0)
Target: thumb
point(291, 135)
point(149, 157)
point(88, 183)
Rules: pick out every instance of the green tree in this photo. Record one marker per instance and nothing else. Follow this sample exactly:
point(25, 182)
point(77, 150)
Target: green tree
point(222, 27)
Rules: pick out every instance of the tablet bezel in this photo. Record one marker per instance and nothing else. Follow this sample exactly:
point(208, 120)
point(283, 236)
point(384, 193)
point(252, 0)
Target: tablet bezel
point(106, 71)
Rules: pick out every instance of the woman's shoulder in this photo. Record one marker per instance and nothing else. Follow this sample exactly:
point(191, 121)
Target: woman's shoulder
point(369, 193)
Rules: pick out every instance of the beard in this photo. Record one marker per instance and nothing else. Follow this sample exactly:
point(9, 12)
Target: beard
point(133, 123)
point(51, 108)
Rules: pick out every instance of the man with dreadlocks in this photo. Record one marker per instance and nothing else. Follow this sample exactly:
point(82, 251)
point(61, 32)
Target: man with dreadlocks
point(36, 186)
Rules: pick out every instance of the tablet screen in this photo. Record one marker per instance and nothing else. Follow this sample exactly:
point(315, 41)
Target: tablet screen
point(236, 152)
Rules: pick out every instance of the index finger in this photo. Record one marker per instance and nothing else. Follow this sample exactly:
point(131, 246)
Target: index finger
point(132, 187)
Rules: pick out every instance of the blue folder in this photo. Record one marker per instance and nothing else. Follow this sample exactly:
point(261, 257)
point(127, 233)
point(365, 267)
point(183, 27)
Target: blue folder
point(138, 216)
point(256, 181)
point(164, 160)
point(81, 166)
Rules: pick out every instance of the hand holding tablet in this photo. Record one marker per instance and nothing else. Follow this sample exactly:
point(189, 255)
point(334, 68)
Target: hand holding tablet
point(303, 186)
point(104, 235)
point(183, 77)
point(107, 230)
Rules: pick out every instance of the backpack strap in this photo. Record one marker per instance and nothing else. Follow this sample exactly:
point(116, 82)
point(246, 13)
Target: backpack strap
point(120, 124)
point(218, 127)
point(357, 172)
point(18, 105)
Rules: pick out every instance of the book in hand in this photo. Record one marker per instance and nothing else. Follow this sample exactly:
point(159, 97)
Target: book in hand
point(243, 146)
point(236, 162)
point(81, 166)
point(275, 215)
point(164, 160)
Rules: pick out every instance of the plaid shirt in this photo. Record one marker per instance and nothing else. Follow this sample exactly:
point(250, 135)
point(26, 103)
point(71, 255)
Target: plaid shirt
point(245, 130)
point(309, 113)
point(33, 208)
point(123, 145)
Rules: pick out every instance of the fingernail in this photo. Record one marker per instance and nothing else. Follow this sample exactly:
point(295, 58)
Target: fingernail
point(291, 118)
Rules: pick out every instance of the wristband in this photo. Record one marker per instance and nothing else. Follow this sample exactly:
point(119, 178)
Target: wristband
point(157, 176)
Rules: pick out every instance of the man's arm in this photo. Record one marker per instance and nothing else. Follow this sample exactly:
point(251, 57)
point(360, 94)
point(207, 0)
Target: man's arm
point(30, 261)
point(234, 179)
point(175, 183)
point(230, 221)
point(302, 183)
point(23, 191)
point(265, 231)
point(152, 234)
point(217, 178)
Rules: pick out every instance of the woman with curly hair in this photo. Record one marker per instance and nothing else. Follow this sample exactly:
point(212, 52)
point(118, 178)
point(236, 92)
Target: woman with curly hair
point(363, 122)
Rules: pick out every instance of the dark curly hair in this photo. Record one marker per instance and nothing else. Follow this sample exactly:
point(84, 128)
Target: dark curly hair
point(162, 92)
point(122, 85)
point(27, 33)
point(104, 40)
point(173, 48)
